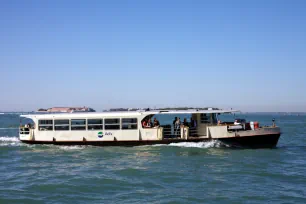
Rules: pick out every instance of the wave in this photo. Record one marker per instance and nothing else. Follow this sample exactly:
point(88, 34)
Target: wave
point(73, 147)
point(9, 128)
point(209, 144)
point(10, 141)
point(204, 145)
point(14, 141)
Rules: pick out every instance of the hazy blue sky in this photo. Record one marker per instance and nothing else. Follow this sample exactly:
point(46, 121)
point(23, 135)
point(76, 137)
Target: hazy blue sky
point(249, 55)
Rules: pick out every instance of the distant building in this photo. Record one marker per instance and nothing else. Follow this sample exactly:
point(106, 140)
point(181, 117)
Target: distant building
point(66, 109)
point(118, 109)
point(42, 110)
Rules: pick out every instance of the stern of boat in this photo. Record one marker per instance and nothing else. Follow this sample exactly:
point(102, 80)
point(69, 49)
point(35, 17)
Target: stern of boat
point(263, 137)
point(25, 133)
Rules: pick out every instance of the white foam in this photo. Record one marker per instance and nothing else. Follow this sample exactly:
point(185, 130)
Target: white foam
point(14, 141)
point(209, 144)
point(74, 147)
point(213, 143)
point(9, 128)
point(10, 141)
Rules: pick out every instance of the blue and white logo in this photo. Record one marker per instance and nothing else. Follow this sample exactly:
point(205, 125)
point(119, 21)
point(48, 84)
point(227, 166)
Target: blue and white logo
point(100, 134)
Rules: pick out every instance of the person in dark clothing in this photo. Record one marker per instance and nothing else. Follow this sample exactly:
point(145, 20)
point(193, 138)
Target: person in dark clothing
point(175, 119)
point(191, 122)
point(185, 123)
point(149, 123)
point(156, 123)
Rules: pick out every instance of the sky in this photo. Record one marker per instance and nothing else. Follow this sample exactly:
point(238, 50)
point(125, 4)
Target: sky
point(246, 55)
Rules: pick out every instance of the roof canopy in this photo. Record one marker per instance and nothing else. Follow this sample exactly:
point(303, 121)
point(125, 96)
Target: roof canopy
point(123, 114)
point(195, 111)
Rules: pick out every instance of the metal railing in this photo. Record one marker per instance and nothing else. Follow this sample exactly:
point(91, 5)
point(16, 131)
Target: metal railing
point(24, 131)
point(193, 132)
point(173, 132)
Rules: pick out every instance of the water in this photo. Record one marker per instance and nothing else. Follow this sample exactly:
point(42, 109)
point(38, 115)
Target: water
point(175, 173)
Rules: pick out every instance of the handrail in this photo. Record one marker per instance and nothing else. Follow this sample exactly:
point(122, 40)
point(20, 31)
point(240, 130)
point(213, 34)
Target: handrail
point(171, 132)
point(24, 130)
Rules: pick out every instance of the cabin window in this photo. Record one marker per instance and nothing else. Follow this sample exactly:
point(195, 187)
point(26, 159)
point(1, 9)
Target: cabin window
point(129, 123)
point(78, 124)
point(204, 118)
point(45, 125)
point(95, 124)
point(61, 125)
point(208, 118)
point(214, 118)
point(112, 124)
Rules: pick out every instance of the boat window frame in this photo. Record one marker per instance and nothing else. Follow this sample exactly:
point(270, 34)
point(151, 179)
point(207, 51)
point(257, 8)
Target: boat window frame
point(129, 123)
point(208, 118)
point(62, 125)
point(95, 124)
point(83, 125)
point(45, 125)
point(112, 124)
point(214, 118)
point(211, 118)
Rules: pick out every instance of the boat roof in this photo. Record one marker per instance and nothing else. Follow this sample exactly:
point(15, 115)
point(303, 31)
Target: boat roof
point(122, 113)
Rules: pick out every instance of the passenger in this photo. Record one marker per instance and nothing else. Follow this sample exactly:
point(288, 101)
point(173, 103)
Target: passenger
point(185, 123)
point(177, 126)
point(156, 123)
point(237, 123)
point(173, 123)
point(219, 122)
point(191, 122)
point(144, 123)
point(175, 119)
point(149, 125)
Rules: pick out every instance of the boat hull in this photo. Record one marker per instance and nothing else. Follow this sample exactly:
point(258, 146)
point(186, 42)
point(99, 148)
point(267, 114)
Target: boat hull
point(256, 141)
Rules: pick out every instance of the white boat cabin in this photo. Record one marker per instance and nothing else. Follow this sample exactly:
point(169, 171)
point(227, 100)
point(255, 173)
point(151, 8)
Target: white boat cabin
point(116, 126)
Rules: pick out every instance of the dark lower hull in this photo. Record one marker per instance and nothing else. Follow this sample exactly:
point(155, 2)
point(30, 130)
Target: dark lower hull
point(258, 141)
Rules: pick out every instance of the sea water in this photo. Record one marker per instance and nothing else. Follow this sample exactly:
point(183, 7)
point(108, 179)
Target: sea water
point(205, 172)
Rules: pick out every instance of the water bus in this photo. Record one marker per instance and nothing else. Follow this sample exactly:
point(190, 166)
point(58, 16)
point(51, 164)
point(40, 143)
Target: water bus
point(131, 128)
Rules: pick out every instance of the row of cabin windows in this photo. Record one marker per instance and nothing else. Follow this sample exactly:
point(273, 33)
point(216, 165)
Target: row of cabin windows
point(92, 124)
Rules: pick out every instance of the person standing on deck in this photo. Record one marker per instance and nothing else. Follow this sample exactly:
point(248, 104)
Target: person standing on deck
point(156, 123)
point(193, 125)
point(185, 123)
point(175, 119)
point(173, 123)
point(191, 122)
point(177, 127)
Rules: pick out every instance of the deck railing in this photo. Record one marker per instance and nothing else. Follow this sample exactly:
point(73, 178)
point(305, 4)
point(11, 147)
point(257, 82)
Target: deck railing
point(24, 131)
point(172, 132)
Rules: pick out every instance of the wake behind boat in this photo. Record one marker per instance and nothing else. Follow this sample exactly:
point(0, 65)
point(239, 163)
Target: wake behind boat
point(131, 128)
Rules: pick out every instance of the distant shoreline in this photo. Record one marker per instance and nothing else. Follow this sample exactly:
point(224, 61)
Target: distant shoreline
point(243, 112)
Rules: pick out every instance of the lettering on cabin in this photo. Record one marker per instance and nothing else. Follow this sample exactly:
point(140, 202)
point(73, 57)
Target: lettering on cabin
point(108, 133)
